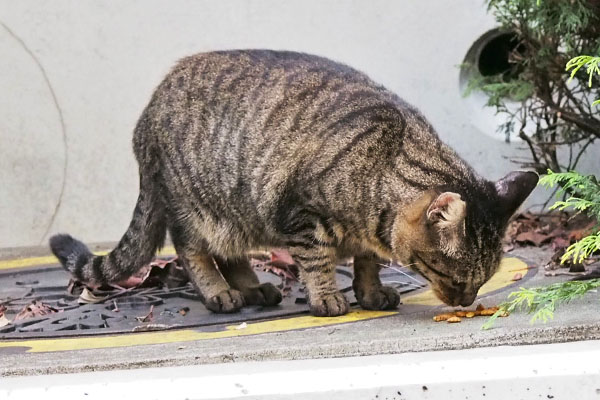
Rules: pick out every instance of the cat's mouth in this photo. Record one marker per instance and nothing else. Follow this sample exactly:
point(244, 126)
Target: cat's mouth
point(454, 299)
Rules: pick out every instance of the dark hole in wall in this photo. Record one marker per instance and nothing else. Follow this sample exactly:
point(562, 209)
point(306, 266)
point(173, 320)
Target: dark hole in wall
point(496, 55)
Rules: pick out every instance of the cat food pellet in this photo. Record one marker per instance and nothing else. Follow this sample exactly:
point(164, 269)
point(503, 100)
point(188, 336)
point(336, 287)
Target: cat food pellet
point(480, 310)
point(442, 317)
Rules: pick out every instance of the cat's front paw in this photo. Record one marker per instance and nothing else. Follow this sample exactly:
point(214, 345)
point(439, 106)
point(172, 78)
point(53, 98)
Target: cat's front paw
point(379, 298)
point(264, 295)
point(226, 301)
point(330, 305)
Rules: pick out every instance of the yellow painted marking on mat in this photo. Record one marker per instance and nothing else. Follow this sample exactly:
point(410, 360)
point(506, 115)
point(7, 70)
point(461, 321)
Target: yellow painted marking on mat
point(188, 335)
point(45, 260)
point(500, 279)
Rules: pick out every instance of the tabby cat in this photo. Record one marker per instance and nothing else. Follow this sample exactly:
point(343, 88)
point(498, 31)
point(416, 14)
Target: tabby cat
point(240, 150)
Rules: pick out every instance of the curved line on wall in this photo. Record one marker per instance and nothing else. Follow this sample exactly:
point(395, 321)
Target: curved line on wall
point(62, 125)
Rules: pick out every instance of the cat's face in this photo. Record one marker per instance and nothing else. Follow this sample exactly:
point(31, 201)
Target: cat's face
point(457, 279)
point(456, 243)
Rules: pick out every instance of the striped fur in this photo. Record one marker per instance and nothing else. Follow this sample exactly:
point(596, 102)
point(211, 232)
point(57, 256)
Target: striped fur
point(240, 150)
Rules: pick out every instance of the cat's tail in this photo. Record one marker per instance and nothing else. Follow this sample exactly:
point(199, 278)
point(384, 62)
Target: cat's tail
point(146, 233)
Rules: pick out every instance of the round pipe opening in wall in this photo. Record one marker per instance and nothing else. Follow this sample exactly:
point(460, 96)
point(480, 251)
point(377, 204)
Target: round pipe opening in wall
point(491, 55)
point(495, 56)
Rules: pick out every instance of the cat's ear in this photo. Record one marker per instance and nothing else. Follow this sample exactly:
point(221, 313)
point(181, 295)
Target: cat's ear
point(447, 215)
point(513, 189)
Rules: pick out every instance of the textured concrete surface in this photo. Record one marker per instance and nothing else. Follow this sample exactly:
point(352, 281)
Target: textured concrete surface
point(75, 76)
point(406, 332)
point(561, 371)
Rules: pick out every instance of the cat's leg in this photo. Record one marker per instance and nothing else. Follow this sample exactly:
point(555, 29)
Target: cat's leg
point(317, 271)
point(215, 292)
point(369, 291)
point(240, 276)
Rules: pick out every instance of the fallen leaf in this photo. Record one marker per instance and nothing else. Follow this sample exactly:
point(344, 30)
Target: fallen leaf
point(35, 309)
point(559, 243)
point(153, 327)
point(517, 277)
point(4, 321)
point(532, 237)
point(243, 325)
point(184, 310)
point(508, 247)
point(280, 256)
point(166, 272)
point(564, 273)
point(87, 296)
point(149, 317)
point(523, 269)
point(578, 234)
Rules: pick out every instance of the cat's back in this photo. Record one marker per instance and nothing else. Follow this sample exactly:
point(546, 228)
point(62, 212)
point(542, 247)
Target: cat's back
point(249, 98)
point(266, 64)
point(267, 79)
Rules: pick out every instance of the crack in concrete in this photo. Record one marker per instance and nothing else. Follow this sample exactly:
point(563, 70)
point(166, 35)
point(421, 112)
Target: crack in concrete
point(62, 125)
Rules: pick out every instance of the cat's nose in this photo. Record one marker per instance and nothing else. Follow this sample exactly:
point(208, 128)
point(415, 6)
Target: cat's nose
point(468, 299)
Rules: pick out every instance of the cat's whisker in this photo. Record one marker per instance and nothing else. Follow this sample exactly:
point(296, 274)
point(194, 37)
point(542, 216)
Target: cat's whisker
point(405, 283)
point(407, 275)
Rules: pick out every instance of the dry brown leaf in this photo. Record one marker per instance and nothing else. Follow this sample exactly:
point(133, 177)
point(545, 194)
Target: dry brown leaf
point(149, 317)
point(35, 309)
point(184, 311)
point(532, 237)
point(281, 256)
point(87, 296)
point(578, 234)
point(517, 277)
point(4, 321)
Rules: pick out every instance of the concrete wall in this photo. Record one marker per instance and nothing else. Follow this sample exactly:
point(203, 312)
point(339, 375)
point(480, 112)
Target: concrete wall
point(75, 75)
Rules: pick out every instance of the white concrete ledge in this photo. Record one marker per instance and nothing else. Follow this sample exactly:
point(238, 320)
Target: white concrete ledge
point(560, 371)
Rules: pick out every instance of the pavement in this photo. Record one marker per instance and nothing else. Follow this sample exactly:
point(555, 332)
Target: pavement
point(300, 336)
point(548, 371)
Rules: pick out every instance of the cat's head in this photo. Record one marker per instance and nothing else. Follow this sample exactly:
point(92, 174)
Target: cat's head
point(454, 240)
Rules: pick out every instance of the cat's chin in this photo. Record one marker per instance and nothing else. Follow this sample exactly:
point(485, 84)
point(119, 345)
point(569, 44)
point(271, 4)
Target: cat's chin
point(463, 302)
point(446, 300)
